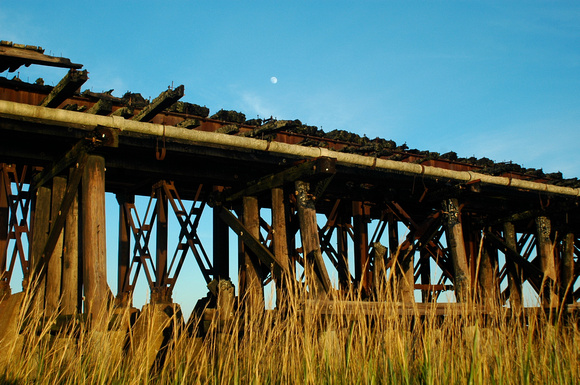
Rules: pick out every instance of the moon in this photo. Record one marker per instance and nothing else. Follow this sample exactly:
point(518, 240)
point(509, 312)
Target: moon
point(274, 80)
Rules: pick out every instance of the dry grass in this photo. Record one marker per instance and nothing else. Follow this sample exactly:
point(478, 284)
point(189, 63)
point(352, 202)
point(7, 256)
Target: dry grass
point(298, 347)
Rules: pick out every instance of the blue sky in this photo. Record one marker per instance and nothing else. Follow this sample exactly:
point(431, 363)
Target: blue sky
point(496, 79)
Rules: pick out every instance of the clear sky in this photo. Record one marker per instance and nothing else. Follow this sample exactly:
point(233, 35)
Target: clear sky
point(496, 79)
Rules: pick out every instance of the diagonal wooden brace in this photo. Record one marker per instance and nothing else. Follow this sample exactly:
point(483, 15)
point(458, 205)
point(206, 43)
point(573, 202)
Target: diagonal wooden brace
point(254, 244)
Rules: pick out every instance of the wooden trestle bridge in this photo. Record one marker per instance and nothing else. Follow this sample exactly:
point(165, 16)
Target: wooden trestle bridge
point(333, 204)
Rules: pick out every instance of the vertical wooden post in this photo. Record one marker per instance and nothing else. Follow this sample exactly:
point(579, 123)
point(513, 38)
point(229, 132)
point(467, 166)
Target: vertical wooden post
point(124, 250)
point(380, 271)
point(393, 229)
point(487, 276)
point(425, 271)
point(40, 229)
point(280, 240)
point(343, 222)
point(251, 289)
point(567, 268)
point(319, 283)
point(455, 242)
point(545, 249)
point(361, 247)
point(4, 225)
point(221, 247)
point(514, 271)
point(159, 294)
point(54, 268)
point(94, 239)
point(70, 266)
point(404, 271)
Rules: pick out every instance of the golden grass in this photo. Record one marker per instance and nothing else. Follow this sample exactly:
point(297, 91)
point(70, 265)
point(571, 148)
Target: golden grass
point(308, 348)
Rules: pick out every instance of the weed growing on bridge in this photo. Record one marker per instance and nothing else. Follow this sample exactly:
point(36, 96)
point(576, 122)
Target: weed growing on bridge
point(353, 345)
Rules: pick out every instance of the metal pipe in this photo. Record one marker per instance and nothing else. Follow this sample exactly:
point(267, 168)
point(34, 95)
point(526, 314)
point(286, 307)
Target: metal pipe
point(81, 120)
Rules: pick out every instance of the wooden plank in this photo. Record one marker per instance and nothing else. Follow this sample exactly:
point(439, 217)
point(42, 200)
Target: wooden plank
point(96, 290)
point(70, 267)
point(14, 57)
point(72, 81)
point(319, 281)
point(366, 308)
point(54, 265)
point(164, 100)
point(101, 107)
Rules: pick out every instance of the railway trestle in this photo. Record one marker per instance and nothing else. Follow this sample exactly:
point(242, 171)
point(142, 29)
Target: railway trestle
point(342, 224)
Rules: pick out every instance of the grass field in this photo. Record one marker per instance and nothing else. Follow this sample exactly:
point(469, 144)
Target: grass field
point(298, 347)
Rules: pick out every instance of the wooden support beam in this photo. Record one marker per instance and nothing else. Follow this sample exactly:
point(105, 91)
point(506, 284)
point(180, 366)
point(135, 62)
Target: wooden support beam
point(514, 272)
point(71, 284)
point(545, 249)
point(342, 237)
point(425, 273)
point(96, 290)
point(221, 246)
point(319, 283)
point(280, 242)
point(529, 271)
point(54, 264)
point(40, 229)
point(124, 250)
point(487, 274)
point(403, 260)
point(4, 226)
point(363, 277)
point(567, 268)
point(379, 255)
point(253, 290)
point(251, 241)
point(164, 100)
point(159, 293)
point(314, 169)
point(72, 81)
point(455, 242)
